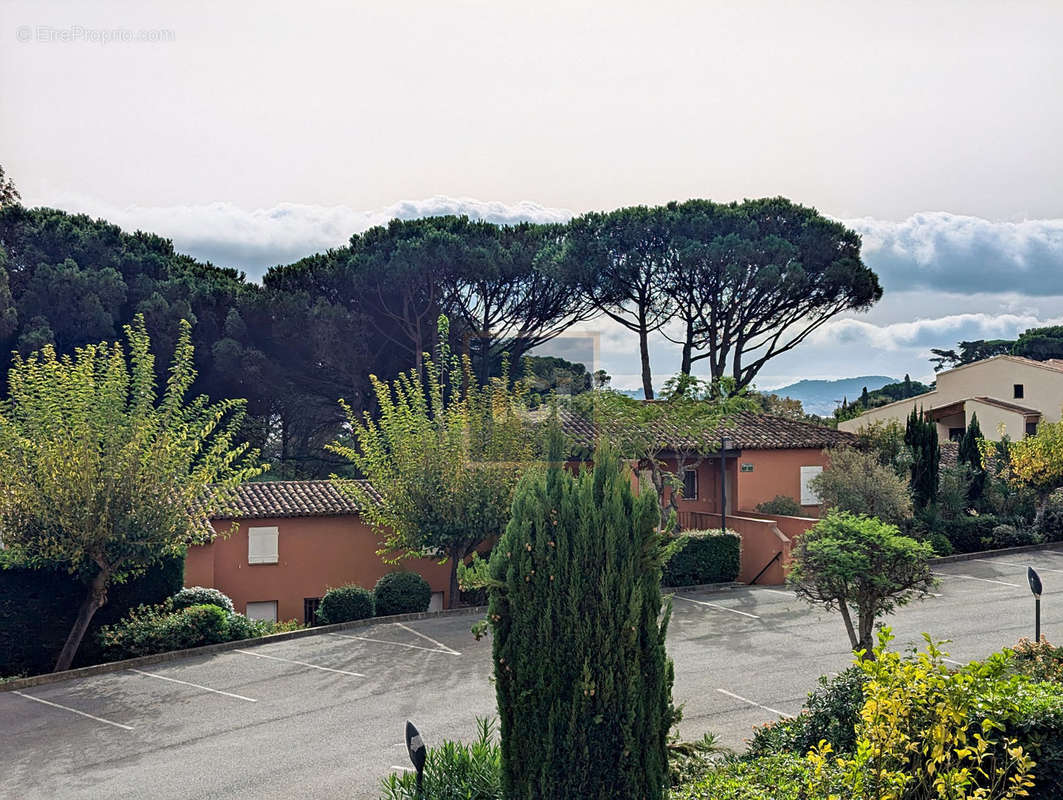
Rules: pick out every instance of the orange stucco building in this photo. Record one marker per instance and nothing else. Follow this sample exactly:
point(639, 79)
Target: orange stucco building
point(284, 543)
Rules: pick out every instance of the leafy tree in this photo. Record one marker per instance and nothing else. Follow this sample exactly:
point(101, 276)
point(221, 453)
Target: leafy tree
point(546, 374)
point(969, 352)
point(860, 565)
point(620, 261)
point(970, 454)
point(857, 482)
point(443, 457)
point(885, 438)
point(763, 276)
point(582, 677)
point(1040, 344)
point(921, 436)
point(1037, 462)
point(99, 478)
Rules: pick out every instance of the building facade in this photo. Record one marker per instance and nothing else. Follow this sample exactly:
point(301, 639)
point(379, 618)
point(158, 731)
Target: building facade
point(1010, 395)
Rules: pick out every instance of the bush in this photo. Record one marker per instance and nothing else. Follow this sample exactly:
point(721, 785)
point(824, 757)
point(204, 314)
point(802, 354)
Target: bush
point(200, 596)
point(856, 482)
point(941, 544)
point(1039, 661)
point(240, 627)
point(830, 714)
point(1052, 522)
point(454, 771)
point(783, 505)
point(1037, 724)
point(401, 593)
point(704, 557)
point(345, 603)
point(1011, 536)
point(38, 607)
point(156, 629)
point(777, 777)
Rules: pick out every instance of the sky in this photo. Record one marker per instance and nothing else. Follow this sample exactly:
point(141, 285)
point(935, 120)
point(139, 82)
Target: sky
point(254, 134)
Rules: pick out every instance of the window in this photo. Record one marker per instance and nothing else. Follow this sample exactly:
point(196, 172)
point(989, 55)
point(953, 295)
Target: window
point(310, 605)
point(436, 603)
point(690, 483)
point(264, 610)
point(955, 434)
point(808, 495)
point(262, 545)
point(1018, 391)
point(1031, 428)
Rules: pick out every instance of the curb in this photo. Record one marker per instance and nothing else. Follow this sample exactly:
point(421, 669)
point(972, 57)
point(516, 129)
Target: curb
point(1004, 551)
point(221, 647)
point(703, 587)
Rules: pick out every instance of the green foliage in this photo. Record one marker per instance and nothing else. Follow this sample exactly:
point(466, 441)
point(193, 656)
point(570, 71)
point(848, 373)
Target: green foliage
point(970, 454)
point(856, 481)
point(969, 352)
point(101, 477)
point(454, 771)
point(926, 732)
point(1040, 344)
point(201, 596)
point(691, 761)
point(401, 593)
point(546, 375)
point(344, 604)
point(1039, 661)
point(885, 438)
point(1036, 723)
point(783, 505)
point(38, 607)
point(1037, 462)
point(582, 678)
point(159, 629)
point(775, 777)
point(855, 562)
point(703, 557)
point(830, 714)
point(1051, 529)
point(444, 454)
point(890, 393)
point(921, 436)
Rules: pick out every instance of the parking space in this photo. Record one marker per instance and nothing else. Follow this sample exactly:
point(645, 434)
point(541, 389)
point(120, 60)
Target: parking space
point(322, 716)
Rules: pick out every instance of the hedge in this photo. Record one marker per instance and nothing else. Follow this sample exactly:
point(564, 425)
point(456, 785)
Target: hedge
point(704, 557)
point(345, 603)
point(38, 607)
point(401, 593)
point(154, 629)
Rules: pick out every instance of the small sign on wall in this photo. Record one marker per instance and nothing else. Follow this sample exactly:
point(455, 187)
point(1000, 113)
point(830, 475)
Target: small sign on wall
point(747, 467)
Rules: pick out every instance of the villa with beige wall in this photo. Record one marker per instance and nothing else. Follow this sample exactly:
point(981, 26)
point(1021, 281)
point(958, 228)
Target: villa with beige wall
point(1009, 394)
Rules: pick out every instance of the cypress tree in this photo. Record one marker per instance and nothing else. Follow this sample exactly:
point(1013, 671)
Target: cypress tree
point(921, 436)
point(583, 681)
point(970, 455)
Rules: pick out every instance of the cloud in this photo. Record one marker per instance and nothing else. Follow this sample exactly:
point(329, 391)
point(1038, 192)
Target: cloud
point(254, 240)
point(926, 333)
point(951, 252)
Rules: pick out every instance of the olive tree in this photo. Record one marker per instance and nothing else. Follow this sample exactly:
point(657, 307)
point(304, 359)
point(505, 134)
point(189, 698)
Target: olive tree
point(101, 476)
point(863, 566)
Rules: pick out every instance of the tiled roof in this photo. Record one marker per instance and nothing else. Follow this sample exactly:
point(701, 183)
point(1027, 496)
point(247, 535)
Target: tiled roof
point(748, 430)
point(263, 499)
point(992, 401)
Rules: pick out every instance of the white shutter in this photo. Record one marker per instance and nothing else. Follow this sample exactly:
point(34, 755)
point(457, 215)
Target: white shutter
point(266, 610)
point(808, 495)
point(262, 545)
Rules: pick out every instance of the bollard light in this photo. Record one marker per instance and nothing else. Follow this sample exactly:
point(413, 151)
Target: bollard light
point(1036, 588)
point(418, 753)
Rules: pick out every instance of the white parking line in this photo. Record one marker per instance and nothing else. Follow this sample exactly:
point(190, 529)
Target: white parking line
point(750, 702)
point(73, 711)
point(300, 663)
point(951, 661)
point(438, 644)
point(193, 685)
point(714, 605)
point(973, 578)
point(447, 652)
point(1016, 564)
point(402, 769)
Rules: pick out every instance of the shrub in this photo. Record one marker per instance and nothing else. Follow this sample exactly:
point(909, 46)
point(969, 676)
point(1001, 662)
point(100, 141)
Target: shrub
point(582, 677)
point(1037, 724)
point(830, 714)
point(401, 593)
point(345, 603)
point(856, 482)
point(941, 544)
point(201, 596)
point(781, 504)
point(454, 771)
point(156, 629)
point(703, 557)
point(1039, 661)
point(1051, 529)
point(240, 627)
point(38, 606)
point(777, 777)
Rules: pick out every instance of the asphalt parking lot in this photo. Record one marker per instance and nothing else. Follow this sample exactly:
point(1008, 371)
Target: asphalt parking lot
point(322, 716)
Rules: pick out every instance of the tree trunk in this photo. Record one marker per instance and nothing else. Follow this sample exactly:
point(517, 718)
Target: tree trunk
point(644, 351)
point(94, 600)
point(688, 346)
point(844, 609)
point(454, 597)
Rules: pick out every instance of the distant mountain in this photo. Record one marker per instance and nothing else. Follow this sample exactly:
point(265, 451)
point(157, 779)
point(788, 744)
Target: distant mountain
point(822, 397)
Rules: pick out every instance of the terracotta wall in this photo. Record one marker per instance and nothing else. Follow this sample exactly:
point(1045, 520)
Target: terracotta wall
point(775, 472)
point(314, 553)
